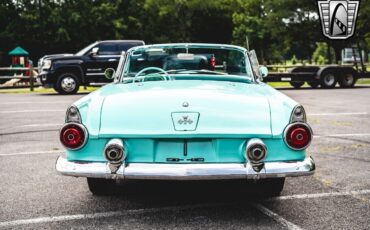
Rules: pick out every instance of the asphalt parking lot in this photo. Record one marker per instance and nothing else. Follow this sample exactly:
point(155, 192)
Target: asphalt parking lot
point(34, 196)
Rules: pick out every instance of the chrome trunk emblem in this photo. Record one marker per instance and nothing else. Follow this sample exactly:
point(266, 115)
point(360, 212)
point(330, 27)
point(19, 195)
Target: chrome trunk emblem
point(185, 120)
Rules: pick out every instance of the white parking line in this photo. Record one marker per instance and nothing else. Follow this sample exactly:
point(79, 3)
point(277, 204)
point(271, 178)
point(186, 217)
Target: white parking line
point(58, 218)
point(343, 135)
point(50, 219)
point(337, 114)
point(320, 195)
point(39, 125)
point(30, 126)
point(30, 153)
point(260, 207)
point(33, 102)
point(276, 217)
point(31, 111)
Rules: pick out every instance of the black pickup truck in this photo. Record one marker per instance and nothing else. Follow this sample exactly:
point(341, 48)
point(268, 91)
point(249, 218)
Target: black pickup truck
point(67, 72)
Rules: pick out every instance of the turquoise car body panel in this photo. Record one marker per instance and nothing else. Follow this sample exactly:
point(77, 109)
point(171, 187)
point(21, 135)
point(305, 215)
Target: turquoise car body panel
point(229, 114)
point(220, 150)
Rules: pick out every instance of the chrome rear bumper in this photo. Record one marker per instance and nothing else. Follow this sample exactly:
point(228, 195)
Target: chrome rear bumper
point(185, 171)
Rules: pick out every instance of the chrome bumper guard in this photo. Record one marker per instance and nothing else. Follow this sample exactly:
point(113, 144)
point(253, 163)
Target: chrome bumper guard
point(185, 171)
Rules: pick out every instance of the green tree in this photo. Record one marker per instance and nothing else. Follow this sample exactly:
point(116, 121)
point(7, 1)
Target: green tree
point(276, 29)
point(321, 52)
point(249, 26)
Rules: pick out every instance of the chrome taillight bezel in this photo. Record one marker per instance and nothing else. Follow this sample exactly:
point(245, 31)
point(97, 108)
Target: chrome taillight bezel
point(82, 127)
point(298, 115)
point(73, 115)
point(287, 128)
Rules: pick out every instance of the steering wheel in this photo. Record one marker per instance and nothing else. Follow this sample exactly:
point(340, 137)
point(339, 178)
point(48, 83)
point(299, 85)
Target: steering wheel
point(165, 77)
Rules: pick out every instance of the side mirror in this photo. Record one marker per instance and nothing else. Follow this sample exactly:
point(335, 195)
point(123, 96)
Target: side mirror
point(263, 71)
point(109, 73)
point(94, 51)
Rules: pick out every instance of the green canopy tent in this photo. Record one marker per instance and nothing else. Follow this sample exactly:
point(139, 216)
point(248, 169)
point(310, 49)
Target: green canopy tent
point(19, 57)
point(18, 51)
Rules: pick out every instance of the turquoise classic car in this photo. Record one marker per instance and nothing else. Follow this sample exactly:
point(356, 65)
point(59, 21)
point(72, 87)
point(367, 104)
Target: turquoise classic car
point(186, 112)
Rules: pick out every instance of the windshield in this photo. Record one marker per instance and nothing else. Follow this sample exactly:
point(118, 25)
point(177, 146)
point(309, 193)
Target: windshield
point(84, 50)
point(186, 59)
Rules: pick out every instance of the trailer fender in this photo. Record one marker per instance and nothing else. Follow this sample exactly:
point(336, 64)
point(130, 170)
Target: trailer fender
point(306, 69)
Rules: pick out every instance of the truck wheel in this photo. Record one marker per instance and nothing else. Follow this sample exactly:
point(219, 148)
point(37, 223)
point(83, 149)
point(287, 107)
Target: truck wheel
point(55, 88)
point(347, 81)
point(67, 83)
point(101, 187)
point(270, 187)
point(313, 85)
point(296, 85)
point(328, 80)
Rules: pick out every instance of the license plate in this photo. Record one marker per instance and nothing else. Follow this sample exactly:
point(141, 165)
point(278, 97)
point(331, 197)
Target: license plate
point(286, 78)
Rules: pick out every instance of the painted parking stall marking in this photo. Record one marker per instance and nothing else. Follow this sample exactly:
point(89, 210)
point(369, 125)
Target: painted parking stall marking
point(33, 102)
point(29, 153)
point(31, 111)
point(41, 125)
point(32, 125)
point(258, 206)
point(279, 219)
point(320, 195)
point(343, 135)
point(337, 114)
point(49, 219)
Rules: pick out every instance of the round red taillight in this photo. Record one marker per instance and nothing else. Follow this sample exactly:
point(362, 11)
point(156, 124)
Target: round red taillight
point(73, 135)
point(298, 136)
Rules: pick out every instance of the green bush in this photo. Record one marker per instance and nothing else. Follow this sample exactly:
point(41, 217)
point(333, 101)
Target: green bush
point(294, 60)
point(321, 52)
point(321, 60)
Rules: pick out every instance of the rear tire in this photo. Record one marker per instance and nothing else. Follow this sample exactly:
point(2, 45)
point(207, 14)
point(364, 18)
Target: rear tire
point(270, 187)
point(296, 85)
point(101, 187)
point(348, 80)
point(328, 80)
point(67, 83)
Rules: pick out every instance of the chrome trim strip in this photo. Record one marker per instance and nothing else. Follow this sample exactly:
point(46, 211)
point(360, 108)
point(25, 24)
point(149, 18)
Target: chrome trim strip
point(93, 74)
point(162, 171)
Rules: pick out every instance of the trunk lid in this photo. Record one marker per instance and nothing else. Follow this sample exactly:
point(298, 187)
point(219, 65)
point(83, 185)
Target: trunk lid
point(189, 108)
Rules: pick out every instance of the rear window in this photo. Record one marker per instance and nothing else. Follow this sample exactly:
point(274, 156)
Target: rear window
point(108, 49)
point(127, 45)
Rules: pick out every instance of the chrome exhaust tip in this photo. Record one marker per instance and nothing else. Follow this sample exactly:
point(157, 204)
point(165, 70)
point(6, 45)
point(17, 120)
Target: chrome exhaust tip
point(114, 151)
point(256, 151)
